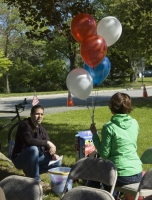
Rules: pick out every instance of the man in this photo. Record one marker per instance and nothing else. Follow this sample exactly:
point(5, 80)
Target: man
point(33, 149)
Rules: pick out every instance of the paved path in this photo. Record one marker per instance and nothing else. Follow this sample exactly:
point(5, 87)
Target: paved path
point(57, 102)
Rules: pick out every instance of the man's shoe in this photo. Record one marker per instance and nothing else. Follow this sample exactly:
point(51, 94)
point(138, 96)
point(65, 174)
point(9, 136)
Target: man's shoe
point(44, 185)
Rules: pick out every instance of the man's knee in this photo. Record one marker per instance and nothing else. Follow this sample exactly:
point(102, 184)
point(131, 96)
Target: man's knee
point(33, 150)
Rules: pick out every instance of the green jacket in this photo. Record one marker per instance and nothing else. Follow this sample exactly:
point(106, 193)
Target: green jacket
point(119, 144)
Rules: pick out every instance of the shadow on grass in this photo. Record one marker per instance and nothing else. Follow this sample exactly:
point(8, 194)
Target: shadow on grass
point(5, 171)
point(63, 136)
point(142, 102)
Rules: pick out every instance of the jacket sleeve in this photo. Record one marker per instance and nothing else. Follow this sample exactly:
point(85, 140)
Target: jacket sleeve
point(47, 148)
point(103, 146)
point(26, 135)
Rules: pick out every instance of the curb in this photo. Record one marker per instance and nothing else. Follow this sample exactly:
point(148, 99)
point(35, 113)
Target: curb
point(66, 94)
point(58, 95)
point(146, 87)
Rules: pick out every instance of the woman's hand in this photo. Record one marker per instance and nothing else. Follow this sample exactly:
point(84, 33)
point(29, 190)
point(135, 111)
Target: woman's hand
point(52, 147)
point(93, 128)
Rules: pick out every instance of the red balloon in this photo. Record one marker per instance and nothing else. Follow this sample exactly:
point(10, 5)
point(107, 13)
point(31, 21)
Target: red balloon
point(82, 26)
point(93, 50)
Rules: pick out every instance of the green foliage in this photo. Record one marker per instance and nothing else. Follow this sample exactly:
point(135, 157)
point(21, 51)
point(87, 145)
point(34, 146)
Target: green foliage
point(48, 14)
point(120, 66)
point(50, 21)
point(135, 41)
point(53, 76)
point(11, 28)
point(5, 63)
point(21, 75)
point(30, 63)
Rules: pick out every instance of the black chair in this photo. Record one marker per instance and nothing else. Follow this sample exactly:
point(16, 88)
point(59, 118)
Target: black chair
point(87, 193)
point(18, 188)
point(93, 169)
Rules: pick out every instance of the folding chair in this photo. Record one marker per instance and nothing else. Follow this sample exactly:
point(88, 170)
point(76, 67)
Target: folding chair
point(2, 195)
point(94, 169)
point(148, 198)
point(19, 188)
point(87, 193)
point(146, 157)
point(144, 188)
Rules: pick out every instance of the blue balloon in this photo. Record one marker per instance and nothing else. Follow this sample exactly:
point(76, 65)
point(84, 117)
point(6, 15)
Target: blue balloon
point(100, 72)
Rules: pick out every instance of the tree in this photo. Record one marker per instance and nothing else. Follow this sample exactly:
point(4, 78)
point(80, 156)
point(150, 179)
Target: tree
point(10, 29)
point(37, 66)
point(55, 17)
point(49, 14)
point(5, 63)
point(135, 17)
point(52, 18)
point(25, 54)
point(34, 62)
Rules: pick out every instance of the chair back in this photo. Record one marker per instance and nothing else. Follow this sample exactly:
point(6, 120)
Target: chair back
point(146, 181)
point(95, 169)
point(2, 195)
point(87, 193)
point(146, 157)
point(18, 188)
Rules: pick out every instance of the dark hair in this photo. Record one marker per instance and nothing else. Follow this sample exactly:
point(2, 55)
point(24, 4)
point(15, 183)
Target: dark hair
point(36, 107)
point(120, 103)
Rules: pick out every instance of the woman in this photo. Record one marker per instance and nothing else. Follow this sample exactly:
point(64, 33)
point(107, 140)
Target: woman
point(119, 140)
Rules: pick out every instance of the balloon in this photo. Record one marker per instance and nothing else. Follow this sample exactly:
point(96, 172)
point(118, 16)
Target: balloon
point(79, 83)
point(110, 29)
point(83, 25)
point(93, 49)
point(100, 72)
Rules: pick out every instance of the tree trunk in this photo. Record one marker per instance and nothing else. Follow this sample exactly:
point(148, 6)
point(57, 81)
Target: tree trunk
point(72, 58)
point(132, 77)
point(6, 83)
point(5, 75)
point(111, 77)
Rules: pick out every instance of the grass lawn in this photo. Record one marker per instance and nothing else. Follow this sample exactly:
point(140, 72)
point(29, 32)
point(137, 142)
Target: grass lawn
point(63, 127)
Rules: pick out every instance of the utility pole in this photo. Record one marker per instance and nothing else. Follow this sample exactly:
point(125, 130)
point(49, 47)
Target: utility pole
point(142, 67)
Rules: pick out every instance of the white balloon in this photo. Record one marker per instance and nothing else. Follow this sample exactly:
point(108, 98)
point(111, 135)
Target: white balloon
point(79, 82)
point(110, 29)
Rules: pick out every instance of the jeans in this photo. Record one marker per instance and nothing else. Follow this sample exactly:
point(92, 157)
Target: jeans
point(33, 163)
point(125, 180)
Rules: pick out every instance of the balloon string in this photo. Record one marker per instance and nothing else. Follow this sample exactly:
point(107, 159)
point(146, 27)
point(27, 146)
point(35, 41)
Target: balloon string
point(92, 116)
point(89, 109)
point(93, 102)
point(93, 107)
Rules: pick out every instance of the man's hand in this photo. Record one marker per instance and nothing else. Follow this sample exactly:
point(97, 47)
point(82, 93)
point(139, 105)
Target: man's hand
point(55, 157)
point(52, 147)
point(93, 128)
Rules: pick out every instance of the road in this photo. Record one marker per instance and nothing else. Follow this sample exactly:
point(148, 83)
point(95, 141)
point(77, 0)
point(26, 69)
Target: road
point(58, 102)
